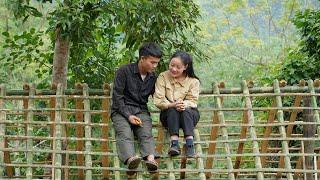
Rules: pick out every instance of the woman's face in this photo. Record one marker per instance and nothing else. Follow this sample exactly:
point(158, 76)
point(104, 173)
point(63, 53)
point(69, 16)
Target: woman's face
point(176, 67)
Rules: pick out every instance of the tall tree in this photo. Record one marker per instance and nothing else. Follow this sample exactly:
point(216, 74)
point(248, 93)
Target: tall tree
point(92, 38)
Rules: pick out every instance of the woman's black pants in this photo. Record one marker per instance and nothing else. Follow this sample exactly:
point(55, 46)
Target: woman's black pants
point(173, 120)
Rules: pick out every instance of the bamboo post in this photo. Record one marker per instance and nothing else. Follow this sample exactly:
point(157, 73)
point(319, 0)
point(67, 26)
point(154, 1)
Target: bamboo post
point(309, 130)
point(65, 156)
point(2, 130)
point(25, 103)
point(303, 159)
point(293, 116)
point(105, 129)
point(316, 84)
point(79, 133)
point(183, 163)
point(218, 105)
point(252, 130)
point(318, 166)
point(170, 166)
point(9, 169)
point(243, 134)
point(213, 136)
point(159, 147)
point(200, 164)
point(29, 132)
point(267, 132)
point(315, 113)
point(51, 157)
point(57, 160)
point(282, 130)
point(116, 163)
point(87, 120)
point(169, 163)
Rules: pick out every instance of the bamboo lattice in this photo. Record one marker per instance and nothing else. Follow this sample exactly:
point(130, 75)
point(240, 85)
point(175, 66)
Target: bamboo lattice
point(244, 133)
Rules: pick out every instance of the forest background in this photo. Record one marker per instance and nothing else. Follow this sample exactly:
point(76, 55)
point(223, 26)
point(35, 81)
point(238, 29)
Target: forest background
point(230, 40)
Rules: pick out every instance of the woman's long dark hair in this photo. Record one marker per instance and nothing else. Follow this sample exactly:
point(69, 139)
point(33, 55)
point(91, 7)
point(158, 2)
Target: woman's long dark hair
point(187, 61)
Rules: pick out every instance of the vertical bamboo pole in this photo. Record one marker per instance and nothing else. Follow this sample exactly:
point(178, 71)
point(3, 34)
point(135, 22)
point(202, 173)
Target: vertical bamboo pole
point(25, 103)
point(316, 117)
point(170, 166)
point(213, 136)
point(293, 116)
point(282, 130)
point(315, 113)
point(9, 169)
point(87, 120)
point(29, 132)
point(218, 105)
point(183, 163)
point(318, 165)
point(297, 175)
point(64, 131)
point(159, 147)
point(303, 158)
point(79, 133)
point(169, 163)
point(2, 129)
point(309, 130)
point(51, 157)
point(252, 130)
point(267, 132)
point(105, 129)
point(116, 163)
point(200, 164)
point(7, 159)
point(57, 161)
point(243, 135)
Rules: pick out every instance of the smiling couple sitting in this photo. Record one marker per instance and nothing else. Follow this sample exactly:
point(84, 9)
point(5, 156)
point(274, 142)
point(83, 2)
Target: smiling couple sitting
point(175, 93)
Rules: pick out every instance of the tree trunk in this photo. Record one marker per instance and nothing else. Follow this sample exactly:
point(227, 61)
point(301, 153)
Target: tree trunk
point(309, 131)
point(59, 75)
point(60, 60)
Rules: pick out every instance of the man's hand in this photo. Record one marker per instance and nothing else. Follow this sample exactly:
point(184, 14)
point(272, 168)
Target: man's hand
point(135, 120)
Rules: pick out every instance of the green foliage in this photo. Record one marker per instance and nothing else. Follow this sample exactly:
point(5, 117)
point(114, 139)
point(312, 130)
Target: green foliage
point(248, 38)
point(303, 62)
point(24, 49)
point(75, 21)
point(308, 24)
point(298, 66)
point(22, 9)
point(106, 34)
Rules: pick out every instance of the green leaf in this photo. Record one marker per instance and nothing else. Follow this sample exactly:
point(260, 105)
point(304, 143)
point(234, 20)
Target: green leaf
point(6, 34)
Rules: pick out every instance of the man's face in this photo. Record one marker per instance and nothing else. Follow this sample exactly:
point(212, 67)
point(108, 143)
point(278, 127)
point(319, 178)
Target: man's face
point(149, 63)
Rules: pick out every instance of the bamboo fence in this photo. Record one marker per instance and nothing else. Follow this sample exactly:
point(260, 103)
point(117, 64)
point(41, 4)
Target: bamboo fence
point(244, 133)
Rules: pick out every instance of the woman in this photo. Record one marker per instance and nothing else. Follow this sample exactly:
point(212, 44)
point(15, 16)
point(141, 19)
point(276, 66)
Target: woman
point(176, 95)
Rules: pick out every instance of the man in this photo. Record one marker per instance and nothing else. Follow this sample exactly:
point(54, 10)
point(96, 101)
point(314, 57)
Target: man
point(133, 84)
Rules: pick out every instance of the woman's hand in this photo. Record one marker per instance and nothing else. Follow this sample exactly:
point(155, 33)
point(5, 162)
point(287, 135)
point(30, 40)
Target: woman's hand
point(180, 106)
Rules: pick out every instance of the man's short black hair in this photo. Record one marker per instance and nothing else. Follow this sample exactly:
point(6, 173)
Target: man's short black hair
point(150, 49)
